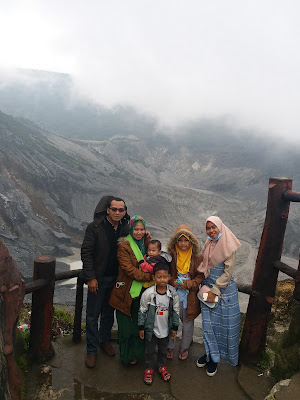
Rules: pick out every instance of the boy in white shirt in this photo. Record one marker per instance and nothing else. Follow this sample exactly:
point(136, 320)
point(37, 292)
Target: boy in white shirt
point(158, 319)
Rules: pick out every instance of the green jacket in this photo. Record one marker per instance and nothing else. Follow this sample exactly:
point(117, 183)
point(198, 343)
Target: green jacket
point(147, 310)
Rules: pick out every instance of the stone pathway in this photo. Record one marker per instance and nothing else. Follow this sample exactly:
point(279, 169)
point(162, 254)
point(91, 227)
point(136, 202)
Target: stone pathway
point(69, 379)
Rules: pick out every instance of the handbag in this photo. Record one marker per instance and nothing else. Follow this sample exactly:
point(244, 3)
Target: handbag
point(201, 296)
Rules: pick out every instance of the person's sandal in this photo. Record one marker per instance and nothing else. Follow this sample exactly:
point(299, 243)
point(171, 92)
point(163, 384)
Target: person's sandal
point(170, 353)
point(164, 373)
point(183, 354)
point(148, 376)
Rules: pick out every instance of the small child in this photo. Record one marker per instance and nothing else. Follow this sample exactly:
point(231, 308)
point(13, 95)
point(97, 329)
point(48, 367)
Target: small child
point(154, 255)
point(158, 320)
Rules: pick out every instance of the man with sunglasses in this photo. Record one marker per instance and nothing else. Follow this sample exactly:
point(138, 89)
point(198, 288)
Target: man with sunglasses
point(100, 271)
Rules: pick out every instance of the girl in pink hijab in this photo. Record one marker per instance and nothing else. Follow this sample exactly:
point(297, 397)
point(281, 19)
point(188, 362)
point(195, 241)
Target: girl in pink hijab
point(221, 324)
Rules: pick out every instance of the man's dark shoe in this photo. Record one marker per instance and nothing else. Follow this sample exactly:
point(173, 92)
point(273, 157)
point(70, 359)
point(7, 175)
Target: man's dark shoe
point(90, 360)
point(109, 350)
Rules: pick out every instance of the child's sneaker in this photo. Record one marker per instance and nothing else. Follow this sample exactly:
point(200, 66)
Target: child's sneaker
point(211, 368)
point(201, 362)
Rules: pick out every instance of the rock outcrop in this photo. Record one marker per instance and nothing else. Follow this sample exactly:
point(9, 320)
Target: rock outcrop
point(12, 290)
point(4, 388)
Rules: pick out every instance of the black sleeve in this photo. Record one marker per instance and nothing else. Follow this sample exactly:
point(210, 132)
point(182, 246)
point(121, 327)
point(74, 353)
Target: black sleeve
point(88, 252)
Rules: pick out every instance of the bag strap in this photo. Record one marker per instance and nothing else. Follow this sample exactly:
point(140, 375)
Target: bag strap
point(136, 286)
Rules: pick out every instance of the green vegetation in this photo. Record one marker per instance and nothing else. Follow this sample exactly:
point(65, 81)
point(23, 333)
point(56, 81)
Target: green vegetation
point(287, 358)
point(63, 320)
point(62, 325)
point(281, 357)
point(22, 343)
point(266, 361)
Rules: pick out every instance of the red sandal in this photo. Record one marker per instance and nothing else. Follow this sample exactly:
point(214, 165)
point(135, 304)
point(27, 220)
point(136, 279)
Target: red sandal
point(164, 373)
point(148, 376)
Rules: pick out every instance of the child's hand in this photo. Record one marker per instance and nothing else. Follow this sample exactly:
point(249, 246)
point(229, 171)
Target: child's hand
point(142, 334)
point(173, 334)
point(186, 285)
point(190, 284)
point(211, 297)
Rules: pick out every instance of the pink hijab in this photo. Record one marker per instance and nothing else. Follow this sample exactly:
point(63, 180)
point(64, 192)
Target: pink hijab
point(218, 251)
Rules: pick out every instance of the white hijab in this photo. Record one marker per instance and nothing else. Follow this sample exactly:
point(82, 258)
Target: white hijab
point(215, 252)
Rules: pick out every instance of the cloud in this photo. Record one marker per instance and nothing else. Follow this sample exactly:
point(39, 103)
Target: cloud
point(178, 60)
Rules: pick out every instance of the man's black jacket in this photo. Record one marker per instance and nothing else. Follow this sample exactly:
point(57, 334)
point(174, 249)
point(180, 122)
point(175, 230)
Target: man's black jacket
point(96, 246)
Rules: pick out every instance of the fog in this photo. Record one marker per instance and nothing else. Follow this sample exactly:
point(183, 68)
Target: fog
point(176, 60)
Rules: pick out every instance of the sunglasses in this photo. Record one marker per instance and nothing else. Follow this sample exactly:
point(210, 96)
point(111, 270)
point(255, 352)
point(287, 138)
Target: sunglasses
point(115, 209)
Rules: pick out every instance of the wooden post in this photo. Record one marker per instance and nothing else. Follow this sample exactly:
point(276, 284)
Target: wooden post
point(78, 311)
point(42, 310)
point(296, 293)
point(265, 274)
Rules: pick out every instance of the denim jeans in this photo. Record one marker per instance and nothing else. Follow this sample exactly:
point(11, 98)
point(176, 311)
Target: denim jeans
point(97, 305)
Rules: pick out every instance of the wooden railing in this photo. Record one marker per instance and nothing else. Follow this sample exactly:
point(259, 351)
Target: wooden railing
point(267, 268)
point(42, 289)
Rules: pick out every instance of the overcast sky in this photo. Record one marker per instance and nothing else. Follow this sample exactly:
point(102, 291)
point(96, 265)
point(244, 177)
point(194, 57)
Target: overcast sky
point(175, 59)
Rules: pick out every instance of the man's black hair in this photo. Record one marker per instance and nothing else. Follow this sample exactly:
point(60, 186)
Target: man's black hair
point(161, 267)
point(156, 242)
point(115, 199)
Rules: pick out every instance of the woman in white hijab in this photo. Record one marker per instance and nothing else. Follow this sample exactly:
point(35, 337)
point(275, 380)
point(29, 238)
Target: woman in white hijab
point(220, 324)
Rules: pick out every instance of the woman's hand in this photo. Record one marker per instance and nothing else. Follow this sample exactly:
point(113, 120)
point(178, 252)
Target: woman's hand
point(211, 297)
point(148, 236)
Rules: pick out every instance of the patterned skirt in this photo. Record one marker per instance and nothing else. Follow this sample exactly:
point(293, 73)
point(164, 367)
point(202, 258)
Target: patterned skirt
point(221, 325)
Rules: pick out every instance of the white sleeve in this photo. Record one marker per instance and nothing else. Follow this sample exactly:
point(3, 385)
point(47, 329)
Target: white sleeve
point(144, 302)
